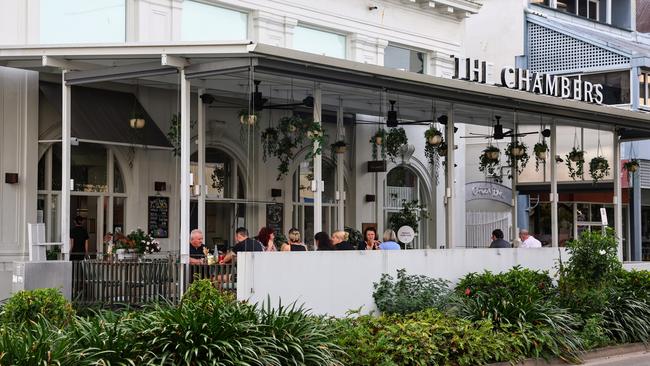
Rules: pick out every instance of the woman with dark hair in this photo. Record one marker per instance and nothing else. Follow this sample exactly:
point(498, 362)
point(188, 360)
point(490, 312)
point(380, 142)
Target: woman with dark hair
point(370, 241)
point(294, 244)
point(266, 237)
point(323, 241)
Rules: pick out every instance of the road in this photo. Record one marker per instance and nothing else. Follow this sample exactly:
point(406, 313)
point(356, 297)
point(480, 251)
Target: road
point(629, 359)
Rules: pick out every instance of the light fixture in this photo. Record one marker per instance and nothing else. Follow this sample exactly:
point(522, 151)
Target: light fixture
point(391, 117)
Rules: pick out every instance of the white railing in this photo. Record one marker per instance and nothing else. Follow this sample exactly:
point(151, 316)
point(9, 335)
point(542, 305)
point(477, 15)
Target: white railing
point(395, 196)
point(479, 227)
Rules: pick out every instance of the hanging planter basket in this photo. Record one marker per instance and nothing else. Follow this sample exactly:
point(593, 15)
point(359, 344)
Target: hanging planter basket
point(395, 140)
point(137, 123)
point(246, 118)
point(378, 147)
point(442, 150)
point(631, 166)
point(598, 168)
point(517, 153)
point(490, 158)
point(576, 157)
point(339, 147)
point(541, 149)
point(433, 136)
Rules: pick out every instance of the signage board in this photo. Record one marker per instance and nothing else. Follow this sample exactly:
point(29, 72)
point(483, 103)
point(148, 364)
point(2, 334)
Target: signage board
point(603, 216)
point(158, 217)
point(275, 217)
point(376, 166)
point(405, 234)
point(488, 191)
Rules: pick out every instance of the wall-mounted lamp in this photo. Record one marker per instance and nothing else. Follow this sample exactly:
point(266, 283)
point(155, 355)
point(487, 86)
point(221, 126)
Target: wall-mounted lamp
point(11, 178)
point(160, 186)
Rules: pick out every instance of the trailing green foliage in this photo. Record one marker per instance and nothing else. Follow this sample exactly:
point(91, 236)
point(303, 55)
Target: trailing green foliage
point(410, 293)
point(27, 306)
point(410, 215)
point(395, 139)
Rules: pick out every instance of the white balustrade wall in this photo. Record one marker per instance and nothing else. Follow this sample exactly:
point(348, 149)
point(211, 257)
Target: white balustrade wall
point(335, 282)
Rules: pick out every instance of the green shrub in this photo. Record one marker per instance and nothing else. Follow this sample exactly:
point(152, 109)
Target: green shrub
point(205, 295)
point(25, 306)
point(30, 343)
point(627, 319)
point(423, 338)
point(594, 334)
point(409, 293)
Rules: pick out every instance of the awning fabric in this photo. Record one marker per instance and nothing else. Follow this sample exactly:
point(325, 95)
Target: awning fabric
point(103, 115)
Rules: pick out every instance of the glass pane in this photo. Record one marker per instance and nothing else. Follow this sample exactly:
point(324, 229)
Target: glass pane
point(56, 220)
point(304, 178)
point(56, 167)
point(583, 212)
point(224, 24)
point(582, 7)
point(82, 21)
point(318, 41)
point(329, 177)
point(593, 10)
point(41, 173)
point(118, 215)
point(308, 231)
point(89, 168)
point(592, 138)
point(41, 207)
point(567, 5)
point(616, 86)
point(567, 138)
point(643, 96)
point(403, 59)
point(118, 181)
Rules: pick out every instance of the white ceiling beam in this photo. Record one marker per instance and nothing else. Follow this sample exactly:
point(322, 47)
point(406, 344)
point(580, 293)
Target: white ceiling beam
point(64, 64)
point(174, 61)
point(427, 5)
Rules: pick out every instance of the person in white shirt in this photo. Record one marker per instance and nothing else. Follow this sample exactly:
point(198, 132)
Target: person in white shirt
point(528, 241)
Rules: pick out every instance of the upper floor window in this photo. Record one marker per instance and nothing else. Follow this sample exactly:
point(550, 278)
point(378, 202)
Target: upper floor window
point(644, 88)
point(616, 86)
point(204, 22)
point(82, 21)
point(404, 59)
point(319, 41)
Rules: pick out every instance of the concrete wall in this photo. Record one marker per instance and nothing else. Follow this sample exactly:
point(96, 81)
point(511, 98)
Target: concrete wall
point(50, 274)
point(335, 282)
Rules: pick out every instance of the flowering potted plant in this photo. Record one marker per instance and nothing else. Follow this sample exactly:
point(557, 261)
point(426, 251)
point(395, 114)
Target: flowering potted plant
point(598, 168)
point(631, 166)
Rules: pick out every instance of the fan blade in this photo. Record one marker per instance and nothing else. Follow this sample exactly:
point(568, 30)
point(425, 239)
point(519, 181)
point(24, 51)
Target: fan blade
point(526, 133)
point(475, 137)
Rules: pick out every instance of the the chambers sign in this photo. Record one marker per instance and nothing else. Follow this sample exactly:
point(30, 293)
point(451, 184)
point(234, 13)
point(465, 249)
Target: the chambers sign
point(522, 79)
point(488, 191)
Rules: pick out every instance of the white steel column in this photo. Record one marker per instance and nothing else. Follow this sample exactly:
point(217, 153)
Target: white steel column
point(66, 123)
point(608, 12)
point(318, 167)
point(340, 166)
point(618, 207)
point(185, 167)
point(449, 193)
point(201, 162)
point(554, 196)
point(513, 172)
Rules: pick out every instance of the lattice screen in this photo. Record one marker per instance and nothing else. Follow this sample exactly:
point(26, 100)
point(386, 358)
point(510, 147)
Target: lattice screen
point(644, 173)
point(553, 51)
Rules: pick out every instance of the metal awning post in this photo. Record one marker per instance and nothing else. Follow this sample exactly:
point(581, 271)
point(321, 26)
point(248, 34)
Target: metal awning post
point(185, 168)
point(450, 191)
point(513, 173)
point(201, 162)
point(618, 207)
point(318, 166)
point(340, 166)
point(66, 123)
point(554, 195)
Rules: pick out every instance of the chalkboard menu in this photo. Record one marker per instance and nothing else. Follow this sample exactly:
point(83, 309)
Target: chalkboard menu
point(158, 216)
point(274, 216)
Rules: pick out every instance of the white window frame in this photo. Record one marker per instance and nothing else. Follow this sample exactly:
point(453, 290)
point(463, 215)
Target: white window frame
point(346, 43)
point(646, 86)
point(226, 7)
point(425, 60)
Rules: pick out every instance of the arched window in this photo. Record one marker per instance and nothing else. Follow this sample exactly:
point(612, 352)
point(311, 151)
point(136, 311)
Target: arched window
point(98, 191)
point(404, 186)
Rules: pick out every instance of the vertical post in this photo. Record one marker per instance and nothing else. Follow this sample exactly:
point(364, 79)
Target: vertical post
point(608, 12)
point(340, 166)
point(185, 168)
point(449, 193)
point(635, 87)
point(554, 196)
point(318, 167)
point(618, 207)
point(66, 123)
point(201, 162)
point(635, 217)
point(513, 172)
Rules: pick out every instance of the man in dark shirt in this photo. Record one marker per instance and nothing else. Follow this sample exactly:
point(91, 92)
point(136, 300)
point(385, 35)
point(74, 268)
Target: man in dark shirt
point(244, 244)
point(196, 247)
point(497, 240)
point(78, 240)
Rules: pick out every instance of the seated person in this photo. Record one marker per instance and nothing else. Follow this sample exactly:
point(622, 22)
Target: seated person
point(244, 244)
point(197, 249)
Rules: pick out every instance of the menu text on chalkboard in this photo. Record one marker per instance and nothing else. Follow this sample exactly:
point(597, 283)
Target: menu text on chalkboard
point(274, 216)
point(158, 221)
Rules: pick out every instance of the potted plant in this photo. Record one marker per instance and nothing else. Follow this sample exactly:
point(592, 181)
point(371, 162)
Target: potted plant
point(598, 168)
point(631, 166)
point(433, 136)
point(410, 215)
point(540, 149)
point(395, 139)
point(377, 141)
point(578, 157)
point(316, 134)
point(489, 158)
point(270, 137)
point(339, 147)
point(517, 153)
point(442, 149)
point(247, 117)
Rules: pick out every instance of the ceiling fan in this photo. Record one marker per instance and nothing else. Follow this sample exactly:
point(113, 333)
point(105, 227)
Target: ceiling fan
point(258, 101)
point(393, 121)
point(498, 133)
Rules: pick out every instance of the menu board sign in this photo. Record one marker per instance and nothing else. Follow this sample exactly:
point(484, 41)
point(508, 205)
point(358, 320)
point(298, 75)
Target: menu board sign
point(158, 219)
point(274, 216)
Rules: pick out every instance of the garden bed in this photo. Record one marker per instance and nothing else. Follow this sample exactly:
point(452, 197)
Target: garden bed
point(604, 352)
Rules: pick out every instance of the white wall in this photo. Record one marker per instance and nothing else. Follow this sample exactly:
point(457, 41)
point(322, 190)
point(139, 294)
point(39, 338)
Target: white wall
point(335, 282)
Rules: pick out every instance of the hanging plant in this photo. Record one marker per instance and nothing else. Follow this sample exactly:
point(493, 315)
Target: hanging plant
point(540, 149)
point(218, 178)
point(339, 147)
point(291, 124)
point(598, 168)
point(578, 157)
point(247, 117)
point(411, 214)
point(377, 140)
point(631, 166)
point(433, 136)
point(395, 139)
point(517, 153)
point(442, 150)
point(316, 135)
point(269, 142)
point(432, 154)
point(489, 158)
point(174, 133)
